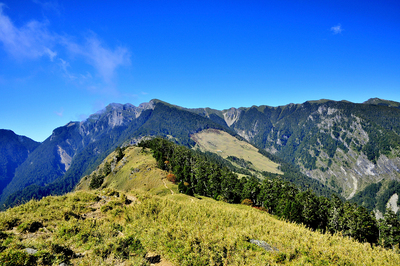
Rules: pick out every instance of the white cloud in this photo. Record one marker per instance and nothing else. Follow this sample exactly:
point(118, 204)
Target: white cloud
point(104, 60)
point(60, 113)
point(29, 41)
point(49, 6)
point(64, 66)
point(337, 29)
point(34, 40)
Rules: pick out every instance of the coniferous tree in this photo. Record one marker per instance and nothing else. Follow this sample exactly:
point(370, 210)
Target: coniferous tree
point(389, 230)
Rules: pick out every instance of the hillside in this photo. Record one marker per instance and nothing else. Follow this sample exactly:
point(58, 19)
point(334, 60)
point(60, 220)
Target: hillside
point(230, 148)
point(14, 150)
point(324, 145)
point(146, 222)
point(344, 145)
point(136, 170)
point(76, 149)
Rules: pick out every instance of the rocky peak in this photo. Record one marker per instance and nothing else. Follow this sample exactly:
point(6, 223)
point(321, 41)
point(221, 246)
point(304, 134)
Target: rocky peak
point(231, 116)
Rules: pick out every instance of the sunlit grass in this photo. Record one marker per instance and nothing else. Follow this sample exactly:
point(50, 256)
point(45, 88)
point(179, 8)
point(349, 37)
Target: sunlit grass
point(127, 218)
point(184, 230)
point(225, 145)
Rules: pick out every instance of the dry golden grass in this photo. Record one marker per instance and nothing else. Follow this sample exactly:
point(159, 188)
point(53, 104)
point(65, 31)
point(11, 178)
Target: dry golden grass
point(137, 170)
point(225, 145)
point(183, 230)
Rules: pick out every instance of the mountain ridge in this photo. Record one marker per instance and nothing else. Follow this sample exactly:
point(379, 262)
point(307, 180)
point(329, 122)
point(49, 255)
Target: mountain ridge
point(344, 145)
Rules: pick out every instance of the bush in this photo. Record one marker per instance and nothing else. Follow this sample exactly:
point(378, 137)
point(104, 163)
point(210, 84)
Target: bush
point(96, 182)
point(30, 227)
point(247, 202)
point(69, 214)
point(9, 223)
point(3, 235)
point(123, 248)
point(62, 253)
point(129, 246)
point(171, 177)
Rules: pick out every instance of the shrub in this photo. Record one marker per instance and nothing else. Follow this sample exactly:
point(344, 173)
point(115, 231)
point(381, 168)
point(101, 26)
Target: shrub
point(62, 253)
point(44, 257)
point(171, 177)
point(96, 182)
point(247, 202)
point(30, 226)
point(9, 223)
point(124, 199)
point(3, 235)
point(69, 214)
point(111, 192)
point(110, 206)
point(129, 246)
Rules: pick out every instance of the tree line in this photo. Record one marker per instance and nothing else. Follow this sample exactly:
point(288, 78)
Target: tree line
point(195, 173)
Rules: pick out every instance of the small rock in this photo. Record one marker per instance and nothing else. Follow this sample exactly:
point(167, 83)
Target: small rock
point(263, 244)
point(63, 264)
point(31, 251)
point(153, 258)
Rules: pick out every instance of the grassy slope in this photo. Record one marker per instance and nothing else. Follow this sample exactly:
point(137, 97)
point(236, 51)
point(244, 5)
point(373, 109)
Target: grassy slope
point(184, 230)
point(136, 171)
point(225, 145)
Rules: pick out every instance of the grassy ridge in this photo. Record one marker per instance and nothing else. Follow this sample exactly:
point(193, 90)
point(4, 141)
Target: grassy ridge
point(184, 230)
point(137, 170)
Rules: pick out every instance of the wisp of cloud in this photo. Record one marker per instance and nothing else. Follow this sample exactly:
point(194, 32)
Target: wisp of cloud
point(337, 29)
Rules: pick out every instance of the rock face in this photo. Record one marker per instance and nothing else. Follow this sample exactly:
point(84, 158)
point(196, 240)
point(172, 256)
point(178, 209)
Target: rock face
point(65, 158)
point(231, 116)
point(392, 203)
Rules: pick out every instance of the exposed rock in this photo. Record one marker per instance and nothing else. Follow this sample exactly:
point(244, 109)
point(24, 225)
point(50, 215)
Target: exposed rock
point(31, 251)
point(378, 214)
point(263, 244)
point(392, 203)
point(231, 116)
point(65, 158)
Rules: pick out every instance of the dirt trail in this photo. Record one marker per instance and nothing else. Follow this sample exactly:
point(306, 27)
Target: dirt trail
point(165, 184)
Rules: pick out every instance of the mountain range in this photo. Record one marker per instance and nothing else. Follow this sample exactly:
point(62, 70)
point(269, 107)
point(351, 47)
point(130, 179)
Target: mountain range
point(343, 147)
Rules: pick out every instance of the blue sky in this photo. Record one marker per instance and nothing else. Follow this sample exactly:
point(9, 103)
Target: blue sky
point(61, 61)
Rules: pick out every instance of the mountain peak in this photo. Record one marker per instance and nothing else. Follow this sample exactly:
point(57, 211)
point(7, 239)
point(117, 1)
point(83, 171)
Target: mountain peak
point(378, 101)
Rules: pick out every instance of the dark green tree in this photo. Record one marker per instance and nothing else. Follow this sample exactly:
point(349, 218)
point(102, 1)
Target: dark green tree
point(389, 230)
point(119, 153)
